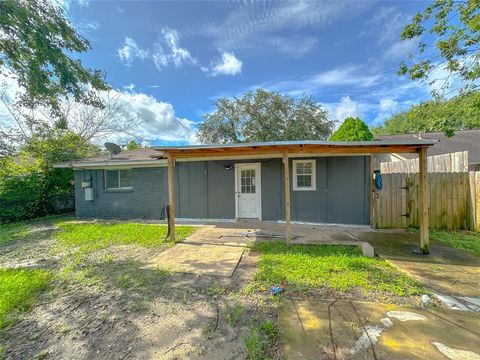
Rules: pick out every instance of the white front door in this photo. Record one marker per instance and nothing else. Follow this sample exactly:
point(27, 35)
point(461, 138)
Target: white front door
point(248, 191)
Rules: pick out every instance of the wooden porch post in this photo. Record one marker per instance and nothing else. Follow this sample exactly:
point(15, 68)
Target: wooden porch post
point(424, 201)
point(171, 197)
point(373, 193)
point(286, 179)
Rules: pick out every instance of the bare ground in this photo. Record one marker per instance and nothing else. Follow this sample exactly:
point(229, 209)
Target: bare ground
point(109, 308)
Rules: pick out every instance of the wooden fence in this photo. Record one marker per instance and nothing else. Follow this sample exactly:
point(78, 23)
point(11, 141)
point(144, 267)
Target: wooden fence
point(454, 201)
point(452, 162)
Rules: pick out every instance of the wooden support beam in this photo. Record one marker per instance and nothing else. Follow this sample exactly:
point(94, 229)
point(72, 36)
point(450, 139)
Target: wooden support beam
point(424, 202)
point(373, 193)
point(171, 196)
point(286, 180)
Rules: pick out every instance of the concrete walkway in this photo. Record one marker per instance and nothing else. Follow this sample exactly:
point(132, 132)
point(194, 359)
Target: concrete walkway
point(452, 274)
point(356, 330)
point(208, 251)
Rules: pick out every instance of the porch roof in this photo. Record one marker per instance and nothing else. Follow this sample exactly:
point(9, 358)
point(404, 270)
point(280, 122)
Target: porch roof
point(296, 147)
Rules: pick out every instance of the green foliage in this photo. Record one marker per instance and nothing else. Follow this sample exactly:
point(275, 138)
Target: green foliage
point(37, 45)
point(18, 290)
point(99, 236)
point(352, 129)
point(29, 186)
point(461, 112)
point(342, 268)
point(454, 28)
point(133, 145)
point(264, 116)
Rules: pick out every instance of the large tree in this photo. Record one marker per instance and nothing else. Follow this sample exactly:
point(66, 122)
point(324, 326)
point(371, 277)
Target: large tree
point(458, 113)
point(38, 47)
point(454, 29)
point(352, 129)
point(264, 116)
point(88, 122)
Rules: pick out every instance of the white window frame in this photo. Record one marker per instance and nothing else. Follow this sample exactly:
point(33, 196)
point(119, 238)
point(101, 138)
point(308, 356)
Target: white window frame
point(118, 175)
point(314, 175)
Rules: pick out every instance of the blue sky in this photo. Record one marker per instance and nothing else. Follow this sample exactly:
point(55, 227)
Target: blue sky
point(170, 60)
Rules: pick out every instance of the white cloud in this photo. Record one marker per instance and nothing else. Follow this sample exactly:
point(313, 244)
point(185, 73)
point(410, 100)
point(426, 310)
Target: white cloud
point(342, 110)
point(354, 76)
point(387, 24)
point(229, 64)
point(129, 87)
point(400, 49)
point(156, 119)
point(250, 23)
point(130, 50)
point(177, 54)
point(294, 47)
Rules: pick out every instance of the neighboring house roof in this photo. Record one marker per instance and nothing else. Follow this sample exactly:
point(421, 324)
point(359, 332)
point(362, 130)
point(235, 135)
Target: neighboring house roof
point(155, 156)
point(464, 140)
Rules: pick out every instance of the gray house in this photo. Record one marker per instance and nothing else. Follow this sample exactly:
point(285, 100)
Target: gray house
point(304, 181)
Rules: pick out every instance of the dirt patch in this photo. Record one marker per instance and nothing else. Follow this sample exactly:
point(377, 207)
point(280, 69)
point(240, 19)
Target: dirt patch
point(110, 307)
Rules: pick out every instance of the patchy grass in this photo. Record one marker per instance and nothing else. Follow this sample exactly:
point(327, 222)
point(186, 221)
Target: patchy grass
point(19, 289)
point(343, 268)
point(465, 240)
point(233, 313)
point(260, 340)
point(13, 231)
point(100, 236)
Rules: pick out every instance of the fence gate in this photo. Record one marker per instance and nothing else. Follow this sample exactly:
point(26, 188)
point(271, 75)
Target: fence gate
point(391, 204)
point(397, 206)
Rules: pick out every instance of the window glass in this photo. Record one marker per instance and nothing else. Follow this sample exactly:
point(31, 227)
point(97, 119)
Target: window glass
point(125, 178)
point(111, 179)
point(247, 181)
point(304, 175)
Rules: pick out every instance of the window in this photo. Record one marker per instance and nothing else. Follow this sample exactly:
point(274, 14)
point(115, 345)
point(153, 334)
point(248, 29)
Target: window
point(118, 179)
point(248, 181)
point(304, 175)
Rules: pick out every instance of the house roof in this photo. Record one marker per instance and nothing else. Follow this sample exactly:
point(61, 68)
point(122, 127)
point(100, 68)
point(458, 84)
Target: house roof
point(393, 142)
point(293, 148)
point(144, 157)
point(155, 156)
point(464, 140)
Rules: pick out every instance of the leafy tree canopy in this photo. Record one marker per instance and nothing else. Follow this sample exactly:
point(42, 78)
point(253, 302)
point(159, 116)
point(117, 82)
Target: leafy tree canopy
point(37, 44)
point(133, 145)
point(264, 116)
point(454, 27)
point(352, 129)
point(458, 113)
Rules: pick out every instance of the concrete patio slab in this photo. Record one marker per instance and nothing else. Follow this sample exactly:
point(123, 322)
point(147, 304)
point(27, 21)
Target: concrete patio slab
point(356, 330)
point(203, 259)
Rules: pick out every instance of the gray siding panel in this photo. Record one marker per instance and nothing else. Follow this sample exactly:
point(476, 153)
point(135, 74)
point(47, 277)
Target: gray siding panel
point(206, 189)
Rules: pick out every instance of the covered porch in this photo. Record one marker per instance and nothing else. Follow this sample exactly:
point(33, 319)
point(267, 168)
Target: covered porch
point(304, 149)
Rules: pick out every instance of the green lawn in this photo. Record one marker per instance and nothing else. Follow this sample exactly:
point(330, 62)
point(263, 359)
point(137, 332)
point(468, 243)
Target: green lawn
point(305, 267)
point(468, 241)
point(99, 236)
point(18, 290)
point(465, 240)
